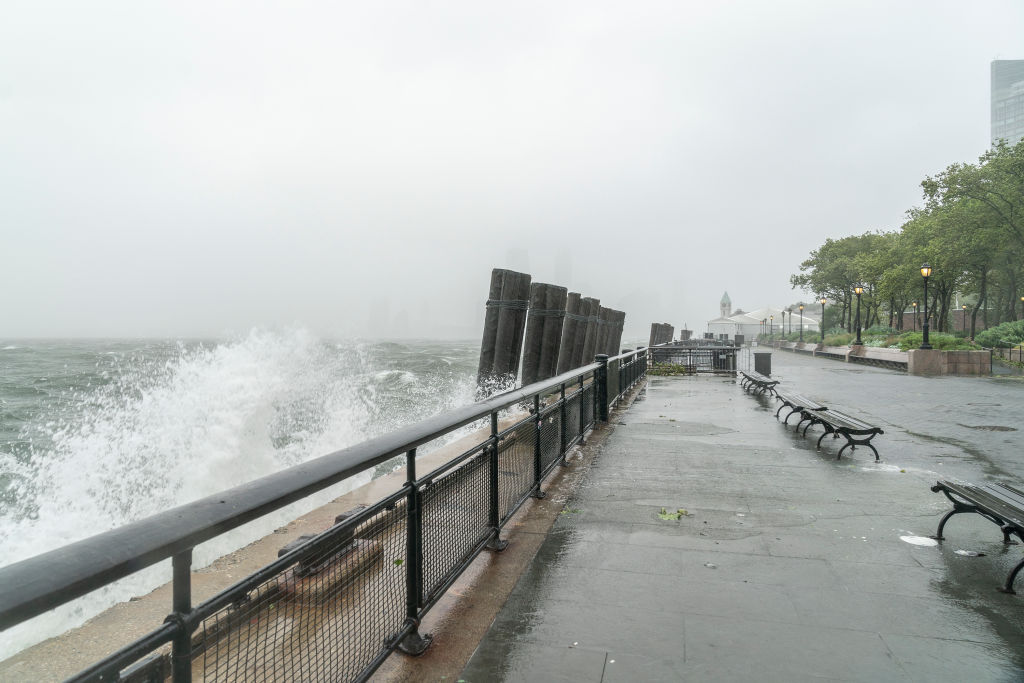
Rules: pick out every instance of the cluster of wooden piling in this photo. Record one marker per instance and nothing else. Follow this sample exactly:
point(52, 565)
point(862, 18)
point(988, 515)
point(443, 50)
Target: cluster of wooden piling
point(563, 331)
point(661, 333)
point(504, 324)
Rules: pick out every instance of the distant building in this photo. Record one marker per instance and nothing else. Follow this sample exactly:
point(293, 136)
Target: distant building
point(731, 323)
point(1007, 100)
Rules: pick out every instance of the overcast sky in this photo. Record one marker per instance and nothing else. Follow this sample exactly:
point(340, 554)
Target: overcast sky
point(198, 168)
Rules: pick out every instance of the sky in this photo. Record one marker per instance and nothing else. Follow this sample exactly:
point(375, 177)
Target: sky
point(197, 169)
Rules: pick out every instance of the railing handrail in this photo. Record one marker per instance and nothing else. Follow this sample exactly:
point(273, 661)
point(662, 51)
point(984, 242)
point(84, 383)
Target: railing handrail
point(43, 582)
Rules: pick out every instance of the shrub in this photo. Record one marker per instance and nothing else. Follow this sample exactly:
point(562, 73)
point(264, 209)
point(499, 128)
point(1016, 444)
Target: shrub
point(842, 339)
point(1005, 335)
point(878, 331)
point(938, 340)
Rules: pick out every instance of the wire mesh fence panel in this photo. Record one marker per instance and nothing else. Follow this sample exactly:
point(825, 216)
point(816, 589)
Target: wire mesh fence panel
point(613, 379)
point(515, 467)
point(587, 405)
point(456, 510)
point(326, 618)
point(550, 438)
point(572, 417)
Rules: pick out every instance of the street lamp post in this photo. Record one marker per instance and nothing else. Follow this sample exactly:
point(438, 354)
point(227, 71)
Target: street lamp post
point(964, 323)
point(858, 290)
point(771, 327)
point(822, 325)
point(801, 323)
point(915, 316)
point(1022, 308)
point(926, 272)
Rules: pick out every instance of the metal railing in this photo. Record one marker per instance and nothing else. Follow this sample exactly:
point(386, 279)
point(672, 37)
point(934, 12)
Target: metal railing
point(337, 605)
point(716, 359)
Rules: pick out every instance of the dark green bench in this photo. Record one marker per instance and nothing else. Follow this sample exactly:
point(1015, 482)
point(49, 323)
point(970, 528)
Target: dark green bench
point(797, 403)
point(998, 503)
point(856, 432)
point(758, 382)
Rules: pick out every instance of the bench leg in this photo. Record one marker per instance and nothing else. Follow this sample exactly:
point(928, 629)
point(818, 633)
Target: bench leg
point(1008, 586)
point(791, 413)
point(780, 410)
point(823, 435)
point(957, 508)
point(873, 450)
point(1007, 530)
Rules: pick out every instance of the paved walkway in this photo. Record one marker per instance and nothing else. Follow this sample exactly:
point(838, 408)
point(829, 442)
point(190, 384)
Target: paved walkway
point(787, 566)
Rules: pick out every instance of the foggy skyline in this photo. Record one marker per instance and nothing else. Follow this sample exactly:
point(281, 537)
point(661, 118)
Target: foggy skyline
point(358, 169)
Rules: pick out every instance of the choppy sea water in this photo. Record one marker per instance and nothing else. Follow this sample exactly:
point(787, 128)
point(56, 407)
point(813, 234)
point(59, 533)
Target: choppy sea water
point(98, 433)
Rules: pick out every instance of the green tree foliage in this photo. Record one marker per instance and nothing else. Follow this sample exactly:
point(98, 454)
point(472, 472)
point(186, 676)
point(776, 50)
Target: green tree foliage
point(970, 229)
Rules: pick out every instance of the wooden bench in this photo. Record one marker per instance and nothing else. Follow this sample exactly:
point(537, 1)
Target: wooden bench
point(797, 403)
point(761, 382)
point(856, 432)
point(999, 503)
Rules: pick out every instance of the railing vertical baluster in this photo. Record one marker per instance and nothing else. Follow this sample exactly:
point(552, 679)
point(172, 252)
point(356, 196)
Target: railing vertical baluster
point(414, 643)
point(563, 414)
point(582, 420)
point(601, 388)
point(496, 542)
point(181, 601)
point(537, 446)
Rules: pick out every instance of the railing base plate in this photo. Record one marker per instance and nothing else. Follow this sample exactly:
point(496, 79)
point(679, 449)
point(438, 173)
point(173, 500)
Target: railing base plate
point(415, 643)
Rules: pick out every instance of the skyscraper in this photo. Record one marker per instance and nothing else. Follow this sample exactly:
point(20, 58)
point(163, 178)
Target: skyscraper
point(1008, 100)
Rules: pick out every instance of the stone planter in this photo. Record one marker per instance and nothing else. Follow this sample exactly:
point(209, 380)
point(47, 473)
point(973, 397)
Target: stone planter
point(960, 363)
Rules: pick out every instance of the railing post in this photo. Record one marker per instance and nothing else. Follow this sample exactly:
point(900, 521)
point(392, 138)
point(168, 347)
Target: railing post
point(564, 417)
point(601, 388)
point(181, 601)
point(413, 643)
point(539, 422)
point(496, 543)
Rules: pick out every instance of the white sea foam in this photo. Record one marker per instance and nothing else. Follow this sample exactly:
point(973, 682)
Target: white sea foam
point(919, 540)
point(205, 420)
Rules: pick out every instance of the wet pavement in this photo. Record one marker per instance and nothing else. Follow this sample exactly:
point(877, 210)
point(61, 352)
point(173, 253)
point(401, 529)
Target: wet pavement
point(784, 564)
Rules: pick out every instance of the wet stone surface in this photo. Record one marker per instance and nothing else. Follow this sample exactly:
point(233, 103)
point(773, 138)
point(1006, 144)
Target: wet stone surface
point(787, 565)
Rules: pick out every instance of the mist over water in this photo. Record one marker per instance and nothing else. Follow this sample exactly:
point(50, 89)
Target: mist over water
point(96, 434)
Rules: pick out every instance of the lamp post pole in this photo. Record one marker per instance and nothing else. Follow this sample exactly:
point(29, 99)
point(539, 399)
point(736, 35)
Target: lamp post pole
point(915, 316)
point(801, 323)
point(964, 324)
point(858, 290)
point(926, 271)
point(1022, 308)
point(822, 325)
point(771, 327)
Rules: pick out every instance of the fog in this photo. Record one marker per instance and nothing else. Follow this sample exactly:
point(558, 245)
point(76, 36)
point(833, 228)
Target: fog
point(197, 169)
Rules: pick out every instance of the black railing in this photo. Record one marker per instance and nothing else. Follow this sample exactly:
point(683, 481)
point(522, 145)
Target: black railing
point(717, 359)
point(336, 606)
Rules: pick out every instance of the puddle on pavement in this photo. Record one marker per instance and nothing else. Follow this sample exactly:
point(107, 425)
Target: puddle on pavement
point(990, 428)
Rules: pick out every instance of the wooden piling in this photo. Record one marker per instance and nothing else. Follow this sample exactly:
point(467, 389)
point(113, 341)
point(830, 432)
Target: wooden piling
point(554, 317)
point(571, 327)
point(588, 308)
point(504, 323)
point(534, 333)
point(605, 326)
point(593, 329)
point(615, 339)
